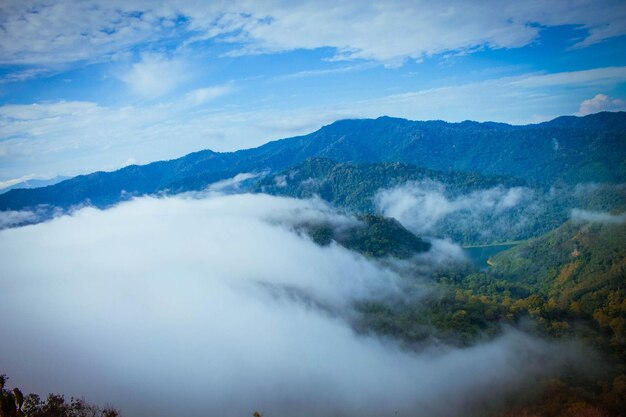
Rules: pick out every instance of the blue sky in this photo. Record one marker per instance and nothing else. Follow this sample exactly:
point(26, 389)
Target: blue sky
point(96, 85)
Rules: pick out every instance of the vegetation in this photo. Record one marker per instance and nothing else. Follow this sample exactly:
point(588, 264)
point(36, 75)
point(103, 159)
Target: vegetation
point(353, 186)
point(375, 236)
point(14, 404)
point(567, 281)
point(567, 284)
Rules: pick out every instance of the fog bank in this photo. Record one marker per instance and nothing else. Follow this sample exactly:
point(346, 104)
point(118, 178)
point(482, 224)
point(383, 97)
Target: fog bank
point(423, 206)
point(579, 215)
point(193, 306)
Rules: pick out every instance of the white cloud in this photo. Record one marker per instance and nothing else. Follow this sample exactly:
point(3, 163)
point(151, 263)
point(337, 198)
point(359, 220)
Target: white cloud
point(24, 75)
point(421, 205)
point(486, 215)
point(579, 215)
point(155, 75)
point(63, 31)
point(232, 184)
point(601, 102)
point(596, 76)
point(13, 181)
point(211, 306)
point(12, 218)
point(37, 32)
point(203, 95)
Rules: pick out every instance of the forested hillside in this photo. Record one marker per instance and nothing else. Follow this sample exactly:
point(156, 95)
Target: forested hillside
point(356, 186)
point(566, 285)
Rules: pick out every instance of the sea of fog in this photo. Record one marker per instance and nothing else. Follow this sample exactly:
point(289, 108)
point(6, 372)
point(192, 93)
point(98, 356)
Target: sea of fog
point(207, 304)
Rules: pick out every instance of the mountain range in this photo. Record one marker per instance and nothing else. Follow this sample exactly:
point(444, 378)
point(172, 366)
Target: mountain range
point(565, 150)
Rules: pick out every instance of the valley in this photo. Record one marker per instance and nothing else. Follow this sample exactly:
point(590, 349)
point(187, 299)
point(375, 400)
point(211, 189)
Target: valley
point(280, 208)
point(434, 261)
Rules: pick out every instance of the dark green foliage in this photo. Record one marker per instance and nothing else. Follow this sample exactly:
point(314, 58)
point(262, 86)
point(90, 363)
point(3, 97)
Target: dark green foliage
point(568, 284)
point(381, 237)
point(579, 271)
point(354, 185)
point(375, 236)
point(13, 404)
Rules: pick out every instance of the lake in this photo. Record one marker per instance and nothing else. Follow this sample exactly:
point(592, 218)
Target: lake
point(479, 254)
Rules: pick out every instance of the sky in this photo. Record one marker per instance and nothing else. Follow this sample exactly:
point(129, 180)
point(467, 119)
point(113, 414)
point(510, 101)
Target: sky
point(100, 84)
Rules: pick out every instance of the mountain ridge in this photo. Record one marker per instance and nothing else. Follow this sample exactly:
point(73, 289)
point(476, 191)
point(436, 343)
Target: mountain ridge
point(569, 148)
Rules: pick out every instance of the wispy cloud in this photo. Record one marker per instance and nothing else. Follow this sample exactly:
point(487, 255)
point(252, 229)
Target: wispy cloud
point(510, 99)
point(426, 207)
point(325, 72)
point(597, 76)
point(24, 75)
point(204, 95)
point(579, 215)
point(13, 181)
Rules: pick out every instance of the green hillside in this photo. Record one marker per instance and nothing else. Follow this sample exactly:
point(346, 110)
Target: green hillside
point(569, 284)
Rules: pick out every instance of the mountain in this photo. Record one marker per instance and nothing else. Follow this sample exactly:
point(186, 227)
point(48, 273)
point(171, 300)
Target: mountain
point(375, 236)
point(34, 183)
point(353, 185)
point(567, 285)
point(579, 268)
point(567, 149)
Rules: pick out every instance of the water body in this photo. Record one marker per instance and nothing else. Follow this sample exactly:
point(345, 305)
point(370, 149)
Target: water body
point(479, 254)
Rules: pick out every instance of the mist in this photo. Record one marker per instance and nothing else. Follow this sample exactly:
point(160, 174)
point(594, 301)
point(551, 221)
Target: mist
point(12, 218)
point(428, 207)
point(579, 215)
point(206, 304)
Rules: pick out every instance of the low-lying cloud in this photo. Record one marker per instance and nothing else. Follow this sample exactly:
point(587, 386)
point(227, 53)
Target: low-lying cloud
point(184, 306)
point(424, 207)
point(579, 215)
point(12, 218)
point(16, 218)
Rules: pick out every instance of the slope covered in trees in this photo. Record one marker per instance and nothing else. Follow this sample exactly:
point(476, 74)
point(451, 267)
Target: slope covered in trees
point(536, 210)
point(567, 285)
point(354, 185)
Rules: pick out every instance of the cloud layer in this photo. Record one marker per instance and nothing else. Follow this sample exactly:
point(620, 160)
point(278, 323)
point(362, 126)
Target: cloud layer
point(214, 306)
point(36, 32)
